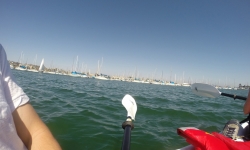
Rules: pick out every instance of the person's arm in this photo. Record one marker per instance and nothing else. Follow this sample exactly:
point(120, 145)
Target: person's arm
point(32, 131)
point(30, 128)
point(246, 108)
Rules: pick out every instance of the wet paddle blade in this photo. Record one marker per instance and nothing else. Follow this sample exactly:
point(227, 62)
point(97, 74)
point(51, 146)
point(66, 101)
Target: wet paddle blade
point(202, 89)
point(129, 103)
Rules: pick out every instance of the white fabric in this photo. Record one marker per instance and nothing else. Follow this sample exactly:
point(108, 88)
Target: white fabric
point(11, 96)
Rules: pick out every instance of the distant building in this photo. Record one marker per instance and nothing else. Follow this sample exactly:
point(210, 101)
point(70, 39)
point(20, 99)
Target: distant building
point(244, 86)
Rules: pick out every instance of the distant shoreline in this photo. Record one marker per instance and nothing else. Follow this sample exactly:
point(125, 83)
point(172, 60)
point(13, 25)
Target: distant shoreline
point(31, 67)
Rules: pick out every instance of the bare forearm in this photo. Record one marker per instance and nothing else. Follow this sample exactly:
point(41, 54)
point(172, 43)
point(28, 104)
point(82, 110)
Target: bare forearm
point(43, 139)
point(32, 131)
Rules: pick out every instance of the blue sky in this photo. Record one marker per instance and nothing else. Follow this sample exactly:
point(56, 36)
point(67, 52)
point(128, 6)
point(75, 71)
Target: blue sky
point(199, 40)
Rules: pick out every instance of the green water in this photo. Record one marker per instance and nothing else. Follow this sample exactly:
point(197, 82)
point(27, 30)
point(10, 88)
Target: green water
point(85, 113)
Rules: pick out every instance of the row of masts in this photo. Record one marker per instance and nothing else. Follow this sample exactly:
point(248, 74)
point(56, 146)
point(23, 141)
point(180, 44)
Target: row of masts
point(80, 68)
point(22, 57)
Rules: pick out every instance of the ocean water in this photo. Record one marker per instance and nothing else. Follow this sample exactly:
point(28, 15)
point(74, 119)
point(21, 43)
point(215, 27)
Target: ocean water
point(87, 114)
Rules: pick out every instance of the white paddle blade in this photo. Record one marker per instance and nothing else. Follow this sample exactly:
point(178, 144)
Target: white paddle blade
point(129, 103)
point(202, 89)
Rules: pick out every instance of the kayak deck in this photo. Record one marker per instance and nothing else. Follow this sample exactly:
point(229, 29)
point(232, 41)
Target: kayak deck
point(243, 131)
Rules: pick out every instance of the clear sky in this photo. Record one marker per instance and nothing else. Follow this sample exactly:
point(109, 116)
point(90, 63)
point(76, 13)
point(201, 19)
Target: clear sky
point(197, 40)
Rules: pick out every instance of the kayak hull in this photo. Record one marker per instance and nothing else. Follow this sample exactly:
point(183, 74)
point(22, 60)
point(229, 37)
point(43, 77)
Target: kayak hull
point(243, 131)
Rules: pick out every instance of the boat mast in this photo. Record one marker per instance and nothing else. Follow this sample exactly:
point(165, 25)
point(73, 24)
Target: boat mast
point(98, 67)
point(183, 77)
point(72, 69)
point(76, 63)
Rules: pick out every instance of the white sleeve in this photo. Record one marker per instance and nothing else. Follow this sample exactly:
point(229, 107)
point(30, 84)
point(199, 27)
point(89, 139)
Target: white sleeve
point(14, 94)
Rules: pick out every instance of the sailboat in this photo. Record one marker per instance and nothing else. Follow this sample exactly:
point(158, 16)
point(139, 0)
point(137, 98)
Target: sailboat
point(154, 81)
point(101, 77)
point(74, 72)
point(136, 78)
point(183, 83)
point(173, 83)
point(41, 68)
point(21, 67)
point(235, 88)
point(170, 80)
point(84, 75)
point(50, 70)
point(33, 70)
point(11, 67)
point(98, 75)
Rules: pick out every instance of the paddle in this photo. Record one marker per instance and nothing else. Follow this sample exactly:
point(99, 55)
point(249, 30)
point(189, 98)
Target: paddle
point(129, 103)
point(202, 89)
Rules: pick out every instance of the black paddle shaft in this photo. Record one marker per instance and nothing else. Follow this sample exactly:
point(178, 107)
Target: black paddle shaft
point(127, 126)
point(234, 96)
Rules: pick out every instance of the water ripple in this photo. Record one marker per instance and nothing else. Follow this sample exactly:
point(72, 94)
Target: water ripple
point(87, 113)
